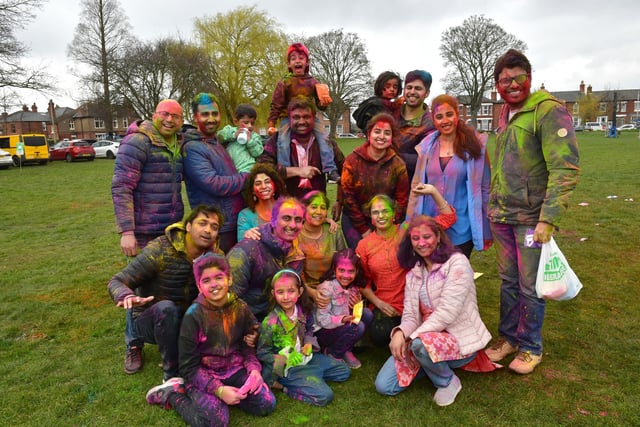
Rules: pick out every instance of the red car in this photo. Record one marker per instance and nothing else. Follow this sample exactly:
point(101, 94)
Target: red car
point(72, 150)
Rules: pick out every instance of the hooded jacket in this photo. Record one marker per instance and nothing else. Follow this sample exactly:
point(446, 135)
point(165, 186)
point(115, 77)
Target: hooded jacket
point(162, 270)
point(146, 185)
point(535, 165)
point(363, 177)
point(253, 264)
point(211, 343)
point(211, 177)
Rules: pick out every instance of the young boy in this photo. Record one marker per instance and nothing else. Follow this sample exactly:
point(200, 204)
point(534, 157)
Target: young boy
point(243, 144)
point(298, 82)
point(218, 367)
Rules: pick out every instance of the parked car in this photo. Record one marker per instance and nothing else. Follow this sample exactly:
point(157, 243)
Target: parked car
point(106, 148)
point(628, 126)
point(5, 160)
point(578, 128)
point(593, 126)
point(72, 150)
point(347, 135)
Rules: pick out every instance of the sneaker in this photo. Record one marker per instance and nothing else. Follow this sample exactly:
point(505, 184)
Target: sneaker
point(351, 360)
point(525, 362)
point(159, 395)
point(334, 177)
point(133, 360)
point(500, 350)
point(447, 395)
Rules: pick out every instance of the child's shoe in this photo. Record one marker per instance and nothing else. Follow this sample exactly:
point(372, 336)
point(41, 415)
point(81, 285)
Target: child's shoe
point(351, 360)
point(525, 362)
point(334, 177)
point(445, 396)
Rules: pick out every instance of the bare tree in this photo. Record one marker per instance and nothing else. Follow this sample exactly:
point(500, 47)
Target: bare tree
point(246, 51)
point(100, 40)
point(14, 14)
point(340, 60)
point(165, 68)
point(470, 52)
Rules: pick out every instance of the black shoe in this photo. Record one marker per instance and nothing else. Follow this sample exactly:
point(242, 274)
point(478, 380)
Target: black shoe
point(334, 177)
point(133, 360)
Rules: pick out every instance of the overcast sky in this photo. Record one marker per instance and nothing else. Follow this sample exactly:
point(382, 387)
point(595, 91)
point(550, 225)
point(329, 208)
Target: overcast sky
point(568, 40)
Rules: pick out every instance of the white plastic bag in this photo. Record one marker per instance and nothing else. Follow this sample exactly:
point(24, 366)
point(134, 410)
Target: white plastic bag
point(555, 280)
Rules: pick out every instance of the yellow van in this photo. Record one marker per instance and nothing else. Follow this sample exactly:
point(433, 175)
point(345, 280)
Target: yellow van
point(33, 146)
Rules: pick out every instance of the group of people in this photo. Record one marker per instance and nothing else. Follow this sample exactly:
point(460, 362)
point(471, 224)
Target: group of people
point(259, 288)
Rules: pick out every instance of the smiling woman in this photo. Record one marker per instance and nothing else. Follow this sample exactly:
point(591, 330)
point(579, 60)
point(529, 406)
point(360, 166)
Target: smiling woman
point(373, 168)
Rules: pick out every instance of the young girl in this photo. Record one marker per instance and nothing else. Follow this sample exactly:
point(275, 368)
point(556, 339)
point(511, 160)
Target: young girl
point(387, 88)
point(335, 327)
point(219, 368)
point(285, 345)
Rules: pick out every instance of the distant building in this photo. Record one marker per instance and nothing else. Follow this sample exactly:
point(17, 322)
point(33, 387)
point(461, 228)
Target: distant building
point(59, 123)
point(626, 104)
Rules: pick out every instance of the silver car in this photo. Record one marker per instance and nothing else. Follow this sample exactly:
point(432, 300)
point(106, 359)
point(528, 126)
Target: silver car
point(5, 160)
point(105, 148)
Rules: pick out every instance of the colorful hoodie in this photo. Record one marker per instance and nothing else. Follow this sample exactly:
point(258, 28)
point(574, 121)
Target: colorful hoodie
point(162, 270)
point(253, 264)
point(411, 133)
point(211, 177)
point(211, 343)
point(535, 167)
point(243, 155)
point(146, 185)
point(364, 177)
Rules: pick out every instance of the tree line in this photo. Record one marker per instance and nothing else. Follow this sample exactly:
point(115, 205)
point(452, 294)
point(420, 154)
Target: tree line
point(239, 56)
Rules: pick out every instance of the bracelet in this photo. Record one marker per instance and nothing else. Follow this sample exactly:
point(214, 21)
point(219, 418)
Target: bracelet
point(443, 206)
point(219, 392)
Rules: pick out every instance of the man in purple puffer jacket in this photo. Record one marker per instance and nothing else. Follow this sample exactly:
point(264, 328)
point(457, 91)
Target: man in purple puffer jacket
point(146, 185)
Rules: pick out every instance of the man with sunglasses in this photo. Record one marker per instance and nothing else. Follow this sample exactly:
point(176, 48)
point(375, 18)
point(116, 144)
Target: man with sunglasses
point(535, 170)
point(210, 176)
point(146, 185)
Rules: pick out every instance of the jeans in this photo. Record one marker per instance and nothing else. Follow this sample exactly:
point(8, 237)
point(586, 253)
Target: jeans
point(307, 382)
point(158, 324)
point(521, 311)
point(342, 339)
point(199, 408)
point(440, 373)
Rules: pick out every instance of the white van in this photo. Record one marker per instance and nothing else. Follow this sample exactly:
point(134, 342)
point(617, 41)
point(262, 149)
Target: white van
point(593, 126)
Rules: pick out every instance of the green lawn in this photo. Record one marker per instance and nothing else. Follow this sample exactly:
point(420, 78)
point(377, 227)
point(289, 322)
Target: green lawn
point(61, 338)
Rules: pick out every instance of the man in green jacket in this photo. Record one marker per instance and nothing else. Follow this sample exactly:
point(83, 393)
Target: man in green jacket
point(535, 169)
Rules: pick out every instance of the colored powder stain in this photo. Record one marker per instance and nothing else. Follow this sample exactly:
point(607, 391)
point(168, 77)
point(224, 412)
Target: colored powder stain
point(313, 379)
point(300, 419)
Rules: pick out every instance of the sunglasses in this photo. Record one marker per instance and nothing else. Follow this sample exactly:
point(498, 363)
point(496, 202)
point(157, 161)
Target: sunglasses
point(506, 81)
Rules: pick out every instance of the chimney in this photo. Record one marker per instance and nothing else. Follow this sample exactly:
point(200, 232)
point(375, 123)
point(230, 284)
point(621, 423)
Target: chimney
point(52, 110)
point(581, 86)
point(589, 90)
point(494, 96)
point(24, 107)
point(34, 108)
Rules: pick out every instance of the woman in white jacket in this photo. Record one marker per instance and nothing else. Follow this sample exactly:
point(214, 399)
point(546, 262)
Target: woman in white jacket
point(441, 327)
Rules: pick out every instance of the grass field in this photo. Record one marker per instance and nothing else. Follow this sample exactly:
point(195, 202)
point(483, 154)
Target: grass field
point(61, 338)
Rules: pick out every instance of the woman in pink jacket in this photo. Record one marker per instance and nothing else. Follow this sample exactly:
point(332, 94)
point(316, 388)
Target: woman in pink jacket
point(441, 327)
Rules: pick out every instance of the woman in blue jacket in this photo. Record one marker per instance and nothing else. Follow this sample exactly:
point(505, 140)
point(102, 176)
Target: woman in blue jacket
point(455, 161)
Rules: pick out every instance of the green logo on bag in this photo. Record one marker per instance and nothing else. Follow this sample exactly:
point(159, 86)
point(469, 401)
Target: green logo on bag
point(554, 269)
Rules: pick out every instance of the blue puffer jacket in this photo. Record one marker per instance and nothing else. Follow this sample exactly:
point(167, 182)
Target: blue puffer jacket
point(211, 178)
point(146, 185)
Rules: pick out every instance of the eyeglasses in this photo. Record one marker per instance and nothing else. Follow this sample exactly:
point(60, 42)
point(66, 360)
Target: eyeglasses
point(165, 115)
point(506, 81)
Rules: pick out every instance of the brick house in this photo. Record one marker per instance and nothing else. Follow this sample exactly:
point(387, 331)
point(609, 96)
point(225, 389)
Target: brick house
point(625, 101)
